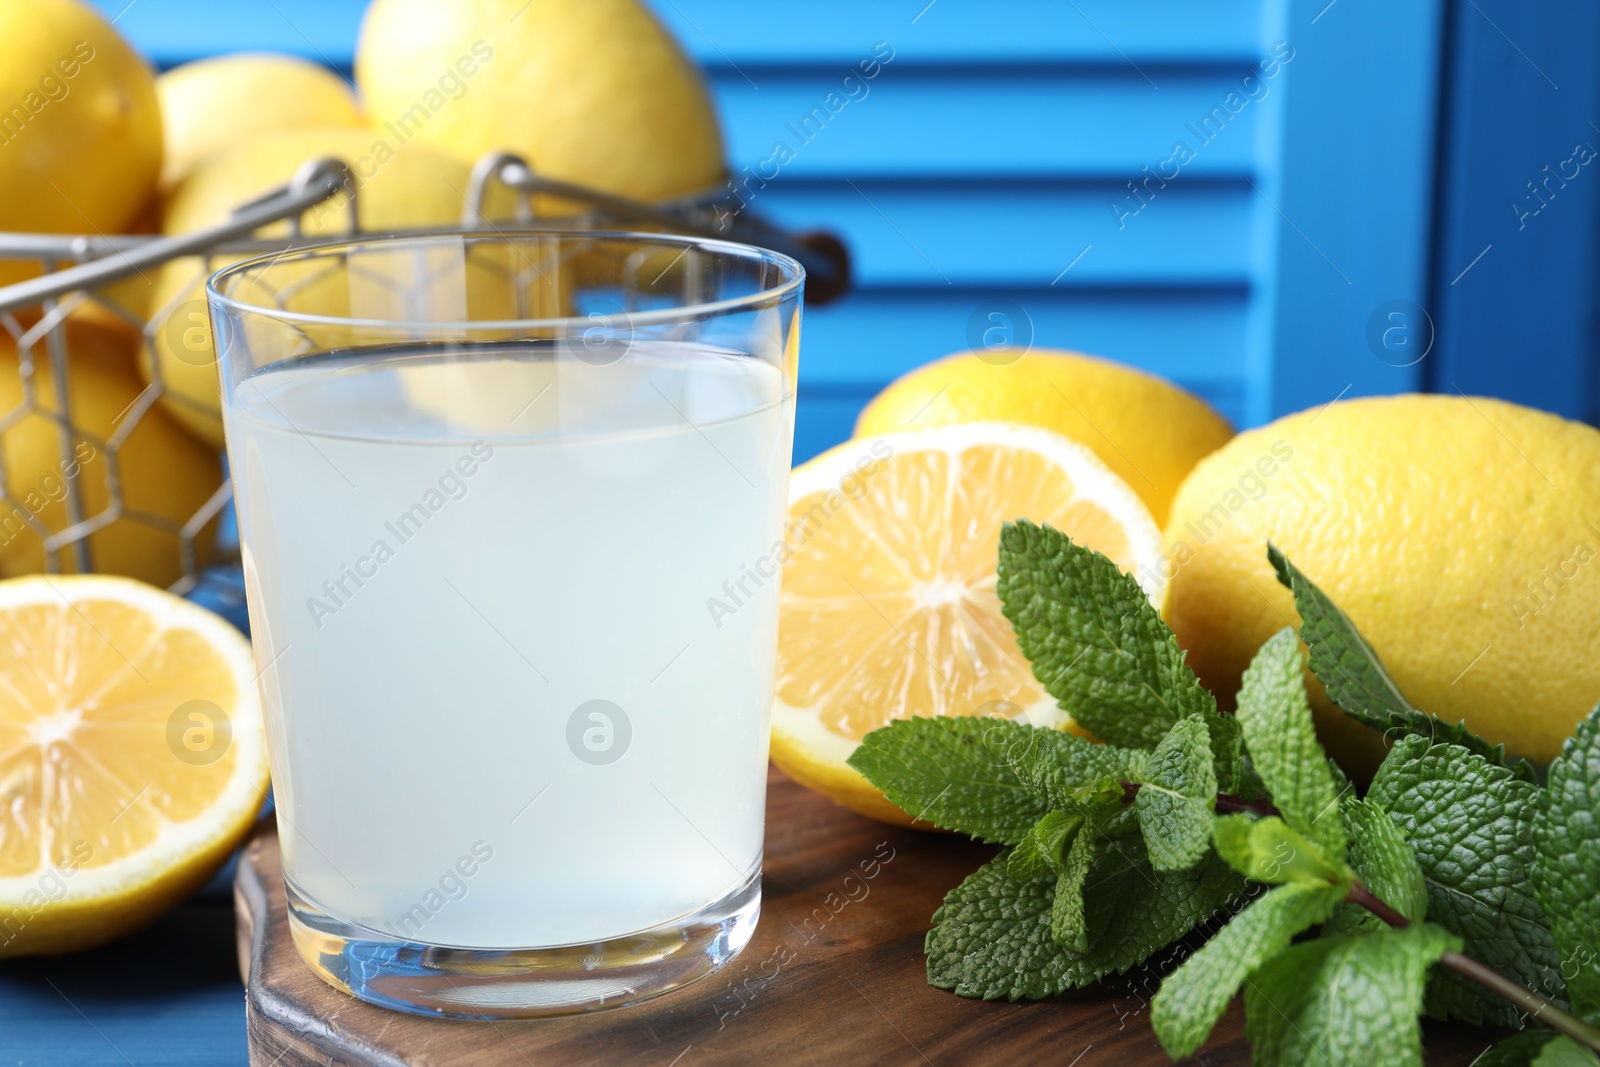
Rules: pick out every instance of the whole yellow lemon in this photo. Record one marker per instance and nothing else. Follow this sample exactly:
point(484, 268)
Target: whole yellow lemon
point(1458, 533)
point(397, 186)
point(1147, 430)
point(163, 474)
point(216, 103)
point(588, 91)
point(80, 128)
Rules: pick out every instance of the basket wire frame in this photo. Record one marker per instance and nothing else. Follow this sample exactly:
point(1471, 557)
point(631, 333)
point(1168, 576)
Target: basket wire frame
point(205, 542)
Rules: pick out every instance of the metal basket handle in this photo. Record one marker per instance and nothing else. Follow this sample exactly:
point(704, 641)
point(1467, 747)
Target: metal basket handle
point(102, 260)
point(824, 256)
point(112, 259)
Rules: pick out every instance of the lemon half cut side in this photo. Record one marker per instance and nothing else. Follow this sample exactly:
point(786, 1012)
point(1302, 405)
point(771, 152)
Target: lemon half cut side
point(889, 606)
point(132, 756)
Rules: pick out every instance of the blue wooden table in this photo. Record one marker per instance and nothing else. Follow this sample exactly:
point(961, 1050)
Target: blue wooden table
point(170, 995)
point(1002, 162)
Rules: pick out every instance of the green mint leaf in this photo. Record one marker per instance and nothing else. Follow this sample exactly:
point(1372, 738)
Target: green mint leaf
point(991, 938)
point(1193, 997)
point(1117, 818)
point(1566, 870)
point(1538, 1048)
point(1340, 657)
point(1564, 1052)
point(953, 773)
point(1176, 795)
point(1386, 865)
point(1070, 773)
point(1341, 781)
point(1471, 824)
point(1131, 910)
point(1250, 786)
point(1518, 1050)
point(1067, 920)
point(1095, 641)
point(1278, 730)
point(1349, 1001)
point(1039, 853)
point(1269, 850)
point(1356, 680)
point(1227, 750)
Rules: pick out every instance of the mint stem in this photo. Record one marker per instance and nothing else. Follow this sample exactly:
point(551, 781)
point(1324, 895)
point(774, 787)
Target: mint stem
point(1225, 803)
point(1490, 979)
point(1234, 806)
point(1360, 894)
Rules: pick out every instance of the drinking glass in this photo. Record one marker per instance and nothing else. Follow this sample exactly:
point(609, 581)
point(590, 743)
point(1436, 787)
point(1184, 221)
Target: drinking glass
point(501, 499)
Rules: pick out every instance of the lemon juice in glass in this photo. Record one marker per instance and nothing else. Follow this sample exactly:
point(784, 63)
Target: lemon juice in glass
point(489, 488)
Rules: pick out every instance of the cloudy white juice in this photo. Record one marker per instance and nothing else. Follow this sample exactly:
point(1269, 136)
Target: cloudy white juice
point(505, 708)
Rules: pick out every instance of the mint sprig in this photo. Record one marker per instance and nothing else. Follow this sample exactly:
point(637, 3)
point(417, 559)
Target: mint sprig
point(1346, 1001)
point(1042, 851)
point(1069, 917)
point(1282, 738)
point(1425, 893)
point(1131, 910)
point(1470, 824)
point(1565, 1052)
point(1194, 997)
point(1065, 771)
point(1176, 794)
point(1271, 851)
point(1356, 680)
point(1566, 868)
point(1384, 861)
point(1519, 1050)
point(1098, 645)
point(991, 938)
point(954, 773)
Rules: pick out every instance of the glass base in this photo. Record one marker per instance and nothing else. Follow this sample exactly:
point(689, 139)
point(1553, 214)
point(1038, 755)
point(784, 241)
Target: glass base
point(476, 983)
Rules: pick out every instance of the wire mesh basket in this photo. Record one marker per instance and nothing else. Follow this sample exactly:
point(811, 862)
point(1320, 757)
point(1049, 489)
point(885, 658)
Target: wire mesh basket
point(96, 473)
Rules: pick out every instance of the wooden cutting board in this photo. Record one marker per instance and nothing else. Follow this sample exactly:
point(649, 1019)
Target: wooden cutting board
point(834, 975)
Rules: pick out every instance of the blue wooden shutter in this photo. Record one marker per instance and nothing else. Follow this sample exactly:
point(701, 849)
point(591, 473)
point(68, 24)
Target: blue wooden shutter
point(985, 179)
point(1003, 172)
point(1223, 193)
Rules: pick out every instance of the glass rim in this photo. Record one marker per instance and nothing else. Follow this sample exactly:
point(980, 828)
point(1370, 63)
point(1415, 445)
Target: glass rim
point(793, 281)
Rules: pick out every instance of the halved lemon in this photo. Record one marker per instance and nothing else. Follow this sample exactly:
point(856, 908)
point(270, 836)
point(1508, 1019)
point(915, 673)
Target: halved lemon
point(889, 607)
point(132, 756)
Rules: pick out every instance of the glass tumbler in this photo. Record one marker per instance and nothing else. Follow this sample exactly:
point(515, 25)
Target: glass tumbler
point(491, 489)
